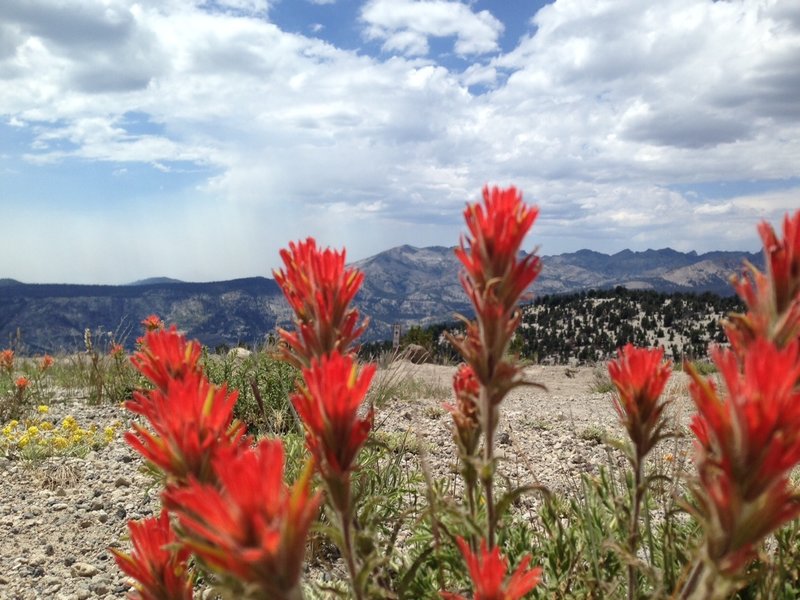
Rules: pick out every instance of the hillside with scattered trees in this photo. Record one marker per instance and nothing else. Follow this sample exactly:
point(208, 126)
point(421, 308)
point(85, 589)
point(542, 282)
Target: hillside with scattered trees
point(588, 327)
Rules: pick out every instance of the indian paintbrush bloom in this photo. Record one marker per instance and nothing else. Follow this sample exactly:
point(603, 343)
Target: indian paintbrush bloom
point(22, 383)
point(46, 362)
point(495, 279)
point(166, 355)
point(639, 374)
point(773, 304)
point(116, 351)
point(491, 257)
point(7, 360)
point(250, 527)
point(192, 422)
point(157, 562)
point(319, 289)
point(747, 445)
point(328, 405)
point(467, 429)
point(466, 421)
point(783, 260)
point(152, 323)
point(488, 569)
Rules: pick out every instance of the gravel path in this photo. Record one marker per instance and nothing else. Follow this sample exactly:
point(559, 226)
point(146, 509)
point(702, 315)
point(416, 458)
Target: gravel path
point(59, 516)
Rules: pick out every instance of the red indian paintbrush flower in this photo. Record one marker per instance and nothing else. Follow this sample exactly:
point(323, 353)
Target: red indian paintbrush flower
point(488, 569)
point(165, 355)
point(251, 527)
point(157, 562)
point(492, 262)
point(46, 362)
point(22, 383)
point(783, 260)
point(152, 323)
point(639, 374)
point(773, 303)
point(319, 289)
point(495, 279)
point(192, 422)
point(747, 444)
point(466, 420)
point(7, 360)
point(328, 405)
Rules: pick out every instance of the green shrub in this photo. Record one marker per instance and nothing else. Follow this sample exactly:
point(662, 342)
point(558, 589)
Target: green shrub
point(265, 384)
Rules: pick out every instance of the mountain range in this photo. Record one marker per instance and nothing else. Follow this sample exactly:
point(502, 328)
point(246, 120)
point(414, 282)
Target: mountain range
point(407, 285)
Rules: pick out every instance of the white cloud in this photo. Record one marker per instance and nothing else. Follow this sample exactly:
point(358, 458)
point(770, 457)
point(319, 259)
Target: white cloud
point(245, 6)
point(598, 116)
point(406, 25)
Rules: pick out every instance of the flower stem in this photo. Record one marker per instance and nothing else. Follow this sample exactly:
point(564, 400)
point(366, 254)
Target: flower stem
point(633, 534)
point(348, 551)
point(487, 471)
point(470, 480)
point(705, 584)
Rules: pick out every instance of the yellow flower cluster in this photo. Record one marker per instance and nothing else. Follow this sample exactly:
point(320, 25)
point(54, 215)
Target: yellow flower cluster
point(38, 438)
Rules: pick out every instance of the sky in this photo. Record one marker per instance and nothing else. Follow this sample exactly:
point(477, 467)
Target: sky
point(195, 138)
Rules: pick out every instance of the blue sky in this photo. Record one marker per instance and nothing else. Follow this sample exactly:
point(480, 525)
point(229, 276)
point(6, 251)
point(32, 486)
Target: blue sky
point(194, 139)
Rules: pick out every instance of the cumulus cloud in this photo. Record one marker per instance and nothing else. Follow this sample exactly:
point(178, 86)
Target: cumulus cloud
point(406, 25)
point(600, 113)
point(244, 6)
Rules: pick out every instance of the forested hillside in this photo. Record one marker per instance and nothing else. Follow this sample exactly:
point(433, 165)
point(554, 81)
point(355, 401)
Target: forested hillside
point(588, 327)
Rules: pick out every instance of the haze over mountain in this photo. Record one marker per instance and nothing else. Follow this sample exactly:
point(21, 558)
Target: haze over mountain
point(404, 284)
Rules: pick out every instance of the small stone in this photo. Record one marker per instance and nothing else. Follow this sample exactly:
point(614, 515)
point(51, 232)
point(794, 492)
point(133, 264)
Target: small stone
point(37, 571)
point(60, 506)
point(81, 569)
point(101, 588)
point(122, 482)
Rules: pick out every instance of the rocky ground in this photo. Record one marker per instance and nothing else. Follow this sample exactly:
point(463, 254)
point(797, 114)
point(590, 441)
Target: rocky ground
point(59, 516)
